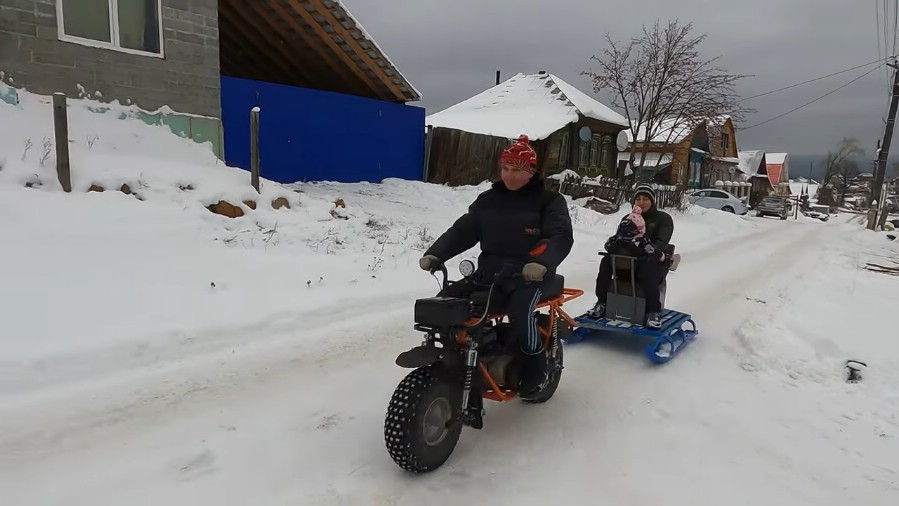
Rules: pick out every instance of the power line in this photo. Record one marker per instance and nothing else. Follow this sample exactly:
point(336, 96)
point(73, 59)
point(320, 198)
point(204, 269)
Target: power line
point(813, 101)
point(881, 60)
point(895, 23)
point(877, 22)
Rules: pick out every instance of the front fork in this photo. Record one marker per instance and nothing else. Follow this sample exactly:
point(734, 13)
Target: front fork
point(472, 416)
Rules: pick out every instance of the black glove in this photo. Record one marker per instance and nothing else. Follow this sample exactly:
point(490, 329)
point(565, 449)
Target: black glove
point(428, 262)
point(609, 243)
point(653, 253)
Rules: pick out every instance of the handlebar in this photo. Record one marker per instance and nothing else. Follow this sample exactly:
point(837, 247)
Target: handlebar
point(501, 274)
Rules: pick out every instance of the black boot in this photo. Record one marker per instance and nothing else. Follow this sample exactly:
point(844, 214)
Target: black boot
point(653, 321)
point(597, 311)
point(533, 374)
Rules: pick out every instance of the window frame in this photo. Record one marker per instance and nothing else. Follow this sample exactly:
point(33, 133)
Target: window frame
point(113, 7)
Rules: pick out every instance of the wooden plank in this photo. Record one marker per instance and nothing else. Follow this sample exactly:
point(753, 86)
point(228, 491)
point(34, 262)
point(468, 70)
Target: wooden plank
point(244, 66)
point(329, 39)
point(259, 28)
point(383, 77)
point(287, 16)
point(254, 36)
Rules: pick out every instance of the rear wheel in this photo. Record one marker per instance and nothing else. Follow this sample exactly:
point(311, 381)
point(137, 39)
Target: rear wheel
point(420, 429)
point(727, 209)
point(554, 365)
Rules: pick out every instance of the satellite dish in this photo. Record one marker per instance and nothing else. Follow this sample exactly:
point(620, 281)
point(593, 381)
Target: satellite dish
point(621, 141)
point(585, 133)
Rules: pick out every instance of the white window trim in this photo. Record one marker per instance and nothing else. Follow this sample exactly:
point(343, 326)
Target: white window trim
point(113, 30)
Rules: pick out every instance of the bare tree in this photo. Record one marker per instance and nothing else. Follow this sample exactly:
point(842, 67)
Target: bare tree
point(663, 86)
point(842, 166)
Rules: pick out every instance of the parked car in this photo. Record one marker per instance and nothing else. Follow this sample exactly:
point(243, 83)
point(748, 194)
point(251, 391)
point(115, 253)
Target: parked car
point(774, 206)
point(712, 198)
point(818, 211)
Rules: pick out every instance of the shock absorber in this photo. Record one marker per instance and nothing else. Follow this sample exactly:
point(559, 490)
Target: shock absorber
point(471, 361)
point(555, 336)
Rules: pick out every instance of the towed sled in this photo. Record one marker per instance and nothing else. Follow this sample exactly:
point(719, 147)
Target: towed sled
point(626, 312)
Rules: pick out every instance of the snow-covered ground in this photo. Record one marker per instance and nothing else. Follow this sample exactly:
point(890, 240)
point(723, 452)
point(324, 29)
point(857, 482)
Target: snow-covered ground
point(155, 352)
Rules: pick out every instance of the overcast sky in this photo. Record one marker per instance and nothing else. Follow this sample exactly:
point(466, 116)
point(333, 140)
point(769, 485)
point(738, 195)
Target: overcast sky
point(450, 50)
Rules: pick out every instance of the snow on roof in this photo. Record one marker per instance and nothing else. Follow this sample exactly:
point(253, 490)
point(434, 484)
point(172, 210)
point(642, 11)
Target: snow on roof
point(667, 131)
point(651, 159)
point(674, 130)
point(532, 104)
point(750, 161)
point(776, 158)
point(719, 120)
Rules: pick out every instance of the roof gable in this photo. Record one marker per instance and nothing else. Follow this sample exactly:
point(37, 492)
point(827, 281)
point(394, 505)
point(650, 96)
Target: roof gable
point(532, 104)
point(316, 44)
point(752, 162)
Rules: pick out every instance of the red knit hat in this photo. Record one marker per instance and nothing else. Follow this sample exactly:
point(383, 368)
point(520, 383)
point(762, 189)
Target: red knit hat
point(520, 153)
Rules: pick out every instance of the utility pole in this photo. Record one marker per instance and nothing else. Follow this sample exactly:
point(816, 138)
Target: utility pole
point(884, 152)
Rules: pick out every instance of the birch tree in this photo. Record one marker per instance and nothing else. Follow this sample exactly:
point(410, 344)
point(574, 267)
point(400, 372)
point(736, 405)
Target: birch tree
point(663, 85)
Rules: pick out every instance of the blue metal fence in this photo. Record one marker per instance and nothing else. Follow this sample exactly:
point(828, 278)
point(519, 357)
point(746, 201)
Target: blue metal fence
point(311, 135)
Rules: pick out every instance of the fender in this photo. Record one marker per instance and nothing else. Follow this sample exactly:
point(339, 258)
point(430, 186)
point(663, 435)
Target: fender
point(420, 356)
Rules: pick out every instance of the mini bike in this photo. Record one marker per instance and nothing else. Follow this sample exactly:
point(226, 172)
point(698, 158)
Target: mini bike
point(468, 355)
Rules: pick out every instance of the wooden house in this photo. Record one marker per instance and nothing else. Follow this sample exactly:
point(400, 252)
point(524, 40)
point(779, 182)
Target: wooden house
point(568, 129)
point(754, 167)
point(684, 153)
point(778, 167)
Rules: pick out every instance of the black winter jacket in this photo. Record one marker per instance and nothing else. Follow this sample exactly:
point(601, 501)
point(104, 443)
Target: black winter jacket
point(513, 227)
point(659, 227)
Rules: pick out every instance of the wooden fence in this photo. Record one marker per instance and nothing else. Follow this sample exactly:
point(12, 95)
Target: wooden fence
point(618, 190)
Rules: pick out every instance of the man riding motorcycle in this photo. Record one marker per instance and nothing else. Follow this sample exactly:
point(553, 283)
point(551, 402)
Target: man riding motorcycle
point(517, 222)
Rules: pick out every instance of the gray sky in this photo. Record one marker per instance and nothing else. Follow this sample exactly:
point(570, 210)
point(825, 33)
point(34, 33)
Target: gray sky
point(450, 50)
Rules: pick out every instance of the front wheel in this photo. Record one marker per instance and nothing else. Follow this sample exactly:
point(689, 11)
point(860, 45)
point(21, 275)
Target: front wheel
point(420, 429)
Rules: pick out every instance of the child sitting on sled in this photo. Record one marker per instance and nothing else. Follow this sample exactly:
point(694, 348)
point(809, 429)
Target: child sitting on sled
point(630, 238)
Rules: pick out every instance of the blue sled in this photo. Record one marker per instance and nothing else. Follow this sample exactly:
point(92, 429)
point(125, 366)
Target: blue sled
point(668, 340)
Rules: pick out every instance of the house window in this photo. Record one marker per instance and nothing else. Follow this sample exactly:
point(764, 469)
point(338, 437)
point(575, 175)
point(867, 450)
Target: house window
point(131, 26)
point(583, 154)
point(563, 152)
point(607, 156)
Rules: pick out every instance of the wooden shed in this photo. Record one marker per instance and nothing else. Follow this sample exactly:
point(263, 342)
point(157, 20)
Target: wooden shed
point(568, 129)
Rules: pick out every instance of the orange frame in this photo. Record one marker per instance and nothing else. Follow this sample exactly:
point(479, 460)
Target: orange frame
point(494, 392)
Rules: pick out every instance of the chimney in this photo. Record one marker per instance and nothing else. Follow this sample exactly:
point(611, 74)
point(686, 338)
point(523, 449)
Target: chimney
point(542, 72)
point(497, 77)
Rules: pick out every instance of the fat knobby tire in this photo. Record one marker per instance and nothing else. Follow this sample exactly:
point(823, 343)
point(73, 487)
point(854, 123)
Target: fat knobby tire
point(403, 423)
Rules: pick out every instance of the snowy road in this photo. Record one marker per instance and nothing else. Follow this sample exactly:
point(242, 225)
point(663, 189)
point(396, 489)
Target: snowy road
point(285, 423)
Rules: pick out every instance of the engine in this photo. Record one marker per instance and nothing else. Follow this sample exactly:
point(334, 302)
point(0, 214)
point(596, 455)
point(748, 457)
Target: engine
point(504, 370)
point(497, 352)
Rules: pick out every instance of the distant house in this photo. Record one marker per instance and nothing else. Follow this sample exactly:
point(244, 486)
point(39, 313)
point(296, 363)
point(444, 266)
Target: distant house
point(311, 67)
point(754, 168)
point(688, 153)
point(778, 166)
point(568, 129)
